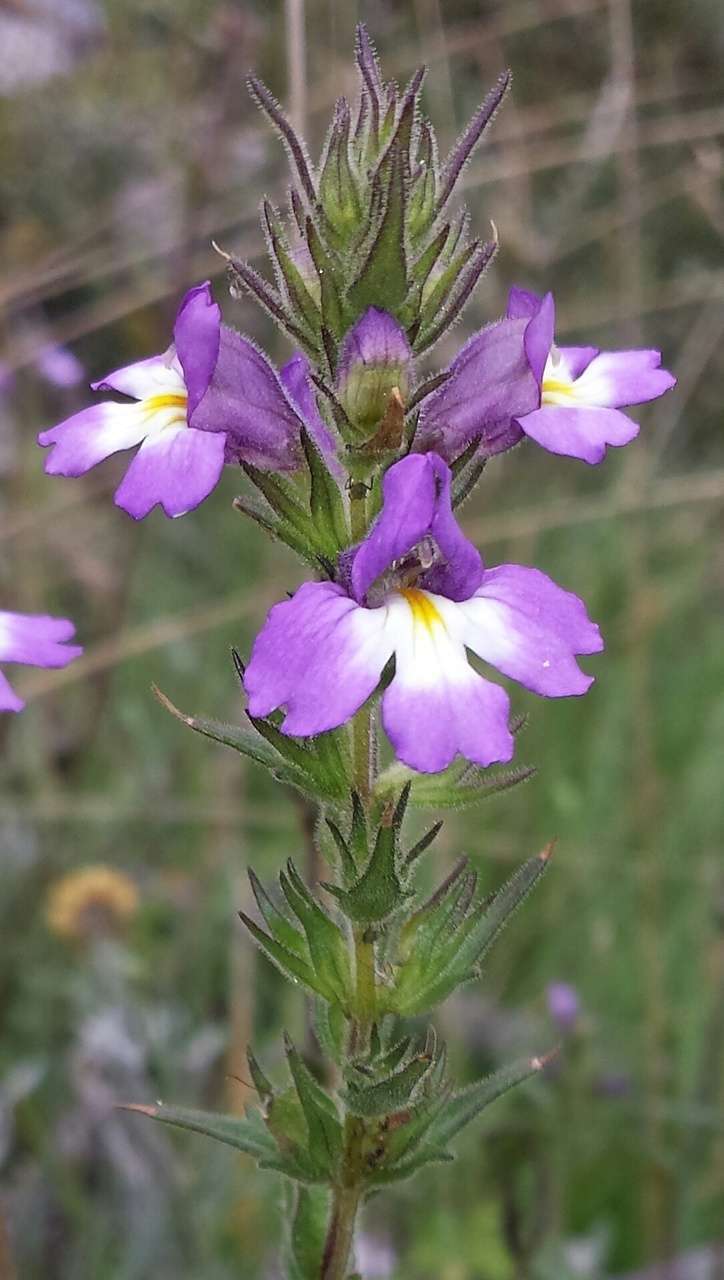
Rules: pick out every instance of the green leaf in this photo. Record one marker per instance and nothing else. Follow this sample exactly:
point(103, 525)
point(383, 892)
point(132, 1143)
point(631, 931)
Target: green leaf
point(303, 759)
point(245, 1133)
point(464, 1106)
point(279, 926)
point(262, 1085)
point(330, 1026)
point(378, 892)
point(289, 278)
point(327, 270)
point(390, 1094)
point(382, 281)
point(425, 1154)
point(325, 1130)
point(422, 844)
point(308, 1232)
point(338, 192)
point(435, 971)
point(248, 505)
point(326, 944)
point(283, 500)
point(243, 740)
point(325, 499)
point(287, 962)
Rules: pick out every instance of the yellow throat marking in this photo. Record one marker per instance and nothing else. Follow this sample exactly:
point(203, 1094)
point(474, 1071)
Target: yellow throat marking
point(423, 609)
point(555, 390)
point(166, 400)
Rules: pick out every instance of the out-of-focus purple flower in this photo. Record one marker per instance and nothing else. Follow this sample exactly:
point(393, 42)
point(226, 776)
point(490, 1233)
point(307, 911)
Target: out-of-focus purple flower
point(582, 389)
point(511, 381)
point(60, 367)
point(212, 398)
point(374, 1257)
point(375, 358)
point(417, 589)
point(564, 1005)
point(34, 640)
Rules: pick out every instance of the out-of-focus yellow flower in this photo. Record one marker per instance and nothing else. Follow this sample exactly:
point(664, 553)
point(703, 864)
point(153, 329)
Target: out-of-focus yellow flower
point(92, 901)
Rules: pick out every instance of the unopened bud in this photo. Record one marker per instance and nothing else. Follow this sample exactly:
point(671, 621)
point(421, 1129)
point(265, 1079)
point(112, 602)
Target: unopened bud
point(374, 373)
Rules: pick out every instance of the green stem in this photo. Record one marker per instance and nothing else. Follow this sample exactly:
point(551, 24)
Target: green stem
point(347, 1194)
point(341, 1232)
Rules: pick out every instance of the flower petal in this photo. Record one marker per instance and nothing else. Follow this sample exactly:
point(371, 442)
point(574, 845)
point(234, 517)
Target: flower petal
point(437, 706)
point(408, 507)
point(539, 336)
point(246, 400)
point(176, 467)
point(616, 378)
point(197, 339)
point(376, 339)
point(319, 656)
point(37, 640)
point(579, 432)
point(522, 303)
point(491, 384)
point(157, 375)
point(92, 435)
point(521, 622)
point(9, 700)
point(294, 377)
point(416, 503)
point(461, 573)
point(575, 359)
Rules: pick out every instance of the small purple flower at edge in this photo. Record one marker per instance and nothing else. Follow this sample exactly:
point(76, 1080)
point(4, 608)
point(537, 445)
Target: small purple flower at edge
point(34, 640)
point(564, 1005)
point(212, 398)
point(417, 589)
point(510, 380)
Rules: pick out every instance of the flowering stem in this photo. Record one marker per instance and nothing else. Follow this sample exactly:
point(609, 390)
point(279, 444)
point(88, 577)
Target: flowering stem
point(348, 1192)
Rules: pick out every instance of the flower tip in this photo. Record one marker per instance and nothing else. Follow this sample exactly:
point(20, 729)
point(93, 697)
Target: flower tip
point(547, 852)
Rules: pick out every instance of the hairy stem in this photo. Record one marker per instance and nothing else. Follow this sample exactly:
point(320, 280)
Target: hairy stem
point(338, 1245)
point(347, 1194)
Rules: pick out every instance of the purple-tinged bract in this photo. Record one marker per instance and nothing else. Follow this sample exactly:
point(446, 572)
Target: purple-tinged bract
point(33, 640)
point(416, 589)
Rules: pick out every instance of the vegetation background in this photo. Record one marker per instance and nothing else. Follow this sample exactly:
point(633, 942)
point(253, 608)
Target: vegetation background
point(128, 142)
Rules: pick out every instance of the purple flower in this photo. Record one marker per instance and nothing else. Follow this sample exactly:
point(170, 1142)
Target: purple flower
point(490, 382)
point(563, 1004)
point(417, 589)
point(511, 381)
point(212, 398)
point(36, 641)
point(582, 389)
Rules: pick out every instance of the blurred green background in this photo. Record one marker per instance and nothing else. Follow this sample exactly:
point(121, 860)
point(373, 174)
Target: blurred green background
point(128, 142)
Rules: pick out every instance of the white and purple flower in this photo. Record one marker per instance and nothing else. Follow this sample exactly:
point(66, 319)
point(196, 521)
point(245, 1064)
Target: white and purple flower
point(511, 380)
point(34, 640)
point(212, 398)
point(416, 589)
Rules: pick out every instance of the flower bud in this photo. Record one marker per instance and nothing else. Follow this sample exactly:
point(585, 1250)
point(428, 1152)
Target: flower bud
point(374, 367)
